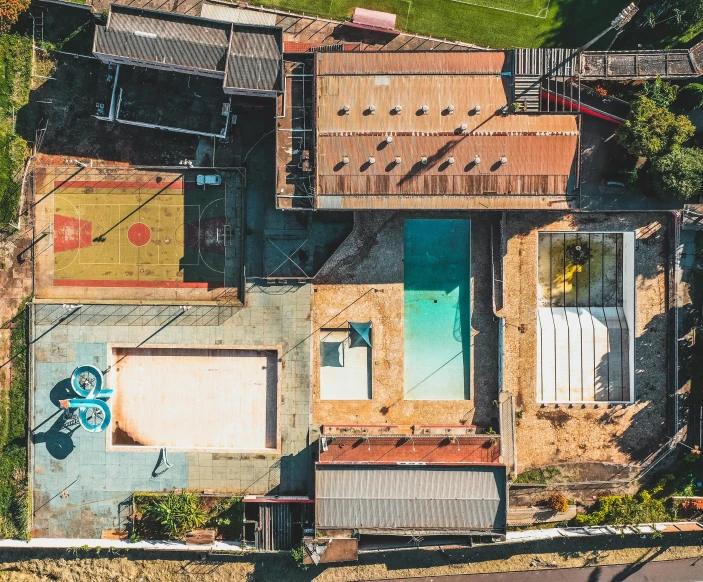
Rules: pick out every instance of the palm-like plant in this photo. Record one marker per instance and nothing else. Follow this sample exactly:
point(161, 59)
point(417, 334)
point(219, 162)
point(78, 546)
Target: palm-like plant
point(177, 512)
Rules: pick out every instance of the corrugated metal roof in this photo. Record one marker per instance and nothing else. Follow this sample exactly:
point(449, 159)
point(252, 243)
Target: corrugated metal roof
point(437, 92)
point(165, 38)
point(411, 63)
point(254, 60)
point(410, 498)
point(388, 449)
point(536, 164)
point(238, 15)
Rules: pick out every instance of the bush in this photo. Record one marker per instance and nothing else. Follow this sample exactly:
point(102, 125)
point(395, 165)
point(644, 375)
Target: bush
point(626, 510)
point(557, 502)
point(177, 512)
point(679, 174)
point(663, 94)
point(690, 97)
point(652, 130)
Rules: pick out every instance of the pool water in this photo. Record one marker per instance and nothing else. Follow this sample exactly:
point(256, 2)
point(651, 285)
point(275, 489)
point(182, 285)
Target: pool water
point(437, 309)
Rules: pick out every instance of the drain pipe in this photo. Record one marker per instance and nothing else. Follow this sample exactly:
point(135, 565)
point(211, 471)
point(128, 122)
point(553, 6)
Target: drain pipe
point(114, 91)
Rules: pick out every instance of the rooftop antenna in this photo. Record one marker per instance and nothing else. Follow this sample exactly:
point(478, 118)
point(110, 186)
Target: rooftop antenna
point(346, 109)
point(372, 109)
point(389, 139)
point(503, 160)
point(425, 109)
point(477, 159)
point(477, 109)
point(423, 160)
point(450, 109)
point(398, 159)
point(450, 160)
point(345, 160)
point(398, 109)
point(463, 127)
point(372, 160)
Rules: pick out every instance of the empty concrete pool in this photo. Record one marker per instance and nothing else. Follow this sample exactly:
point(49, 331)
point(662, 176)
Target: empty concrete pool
point(437, 309)
point(194, 399)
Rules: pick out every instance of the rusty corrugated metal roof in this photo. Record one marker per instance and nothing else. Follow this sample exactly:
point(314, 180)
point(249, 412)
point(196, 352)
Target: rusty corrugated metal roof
point(451, 109)
point(388, 450)
point(535, 164)
point(411, 499)
point(412, 63)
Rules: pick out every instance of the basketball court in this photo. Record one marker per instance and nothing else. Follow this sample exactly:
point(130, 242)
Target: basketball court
point(117, 233)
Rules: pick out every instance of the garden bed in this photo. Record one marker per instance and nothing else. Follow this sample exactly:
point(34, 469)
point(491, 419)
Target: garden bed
point(159, 516)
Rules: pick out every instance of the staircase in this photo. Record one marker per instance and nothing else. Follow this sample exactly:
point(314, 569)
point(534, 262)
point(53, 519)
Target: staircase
point(526, 90)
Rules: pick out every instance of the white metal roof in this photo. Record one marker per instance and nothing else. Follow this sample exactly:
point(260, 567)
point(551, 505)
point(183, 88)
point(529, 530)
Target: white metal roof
point(238, 15)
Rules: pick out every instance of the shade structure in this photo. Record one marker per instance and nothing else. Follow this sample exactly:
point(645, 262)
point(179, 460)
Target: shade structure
point(359, 334)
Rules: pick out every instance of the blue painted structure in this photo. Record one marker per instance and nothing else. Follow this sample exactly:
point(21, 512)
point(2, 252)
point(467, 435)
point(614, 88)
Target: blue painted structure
point(437, 309)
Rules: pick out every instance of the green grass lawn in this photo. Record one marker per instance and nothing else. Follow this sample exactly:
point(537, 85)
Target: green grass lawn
point(15, 71)
point(565, 23)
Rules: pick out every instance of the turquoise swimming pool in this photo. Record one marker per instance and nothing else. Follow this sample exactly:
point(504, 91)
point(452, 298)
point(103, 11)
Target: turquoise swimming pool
point(437, 309)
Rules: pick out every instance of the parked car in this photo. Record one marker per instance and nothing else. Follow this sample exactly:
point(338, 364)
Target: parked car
point(209, 180)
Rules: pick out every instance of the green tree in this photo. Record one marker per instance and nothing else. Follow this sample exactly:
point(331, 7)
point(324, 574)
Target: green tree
point(690, 97)
point(662, 93)
point(652, 130)
point(679, 173)
point(177, 512)
point(10, 11)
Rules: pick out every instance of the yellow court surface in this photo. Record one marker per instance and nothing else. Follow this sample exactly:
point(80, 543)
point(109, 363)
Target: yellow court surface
point(133, 229)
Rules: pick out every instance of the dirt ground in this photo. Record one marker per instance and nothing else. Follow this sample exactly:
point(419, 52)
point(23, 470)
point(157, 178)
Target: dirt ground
point(619, 434)
point(78, 565)
point(363, 281)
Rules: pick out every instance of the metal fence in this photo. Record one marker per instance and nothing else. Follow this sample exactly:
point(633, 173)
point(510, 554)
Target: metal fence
point(140, 315)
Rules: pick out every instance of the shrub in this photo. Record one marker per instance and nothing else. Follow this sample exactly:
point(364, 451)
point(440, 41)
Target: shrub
point(662, 93)
point(679, 174)
point(177, 512)
point(652, 130)
point(626, 510)
point(690, 97)
point(557, 502)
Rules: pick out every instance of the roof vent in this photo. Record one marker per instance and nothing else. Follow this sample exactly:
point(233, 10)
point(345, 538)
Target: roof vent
point(372, 160)
point(477, 109)
point(389, 139)
point(398, 160)
point(425, 109)
point(477, 159)
point(398, 109)
point(503, 160)
point(346, 109)
point(144, 34)
point(463, 127)
point(450, 109)
point(423, 160)
point(345, 160)
point(372, 109)
point(450, 160)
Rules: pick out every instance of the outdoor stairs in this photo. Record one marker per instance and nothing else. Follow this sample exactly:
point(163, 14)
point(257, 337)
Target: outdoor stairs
point(526, 90)
point(546, 62)
point(37, 25)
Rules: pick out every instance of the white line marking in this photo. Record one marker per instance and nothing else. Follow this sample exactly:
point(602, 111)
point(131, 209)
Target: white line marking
point(79, 236)
point(506, 9)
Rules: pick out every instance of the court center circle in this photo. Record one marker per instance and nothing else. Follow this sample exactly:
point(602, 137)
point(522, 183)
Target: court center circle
point(139, 234)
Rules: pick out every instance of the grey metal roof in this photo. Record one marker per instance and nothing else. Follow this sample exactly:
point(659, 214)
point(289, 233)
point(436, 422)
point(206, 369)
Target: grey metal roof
point(254, 60)
point(422, 498)
point(162, 37)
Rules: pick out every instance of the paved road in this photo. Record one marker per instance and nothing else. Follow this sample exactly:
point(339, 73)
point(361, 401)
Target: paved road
point(690, 570)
